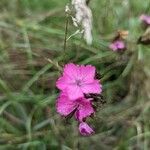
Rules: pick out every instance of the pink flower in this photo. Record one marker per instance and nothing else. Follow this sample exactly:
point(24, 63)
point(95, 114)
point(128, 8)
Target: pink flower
point(79, 86)
point(117, 45)
point(85, 129)
point(81, 107)
point(145, 19)
point(78, 80)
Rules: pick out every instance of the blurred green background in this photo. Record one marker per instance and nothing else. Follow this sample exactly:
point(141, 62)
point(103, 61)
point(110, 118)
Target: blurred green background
point(32, 30)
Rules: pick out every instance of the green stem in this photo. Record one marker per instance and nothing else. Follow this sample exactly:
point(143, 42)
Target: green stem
point(66, 32)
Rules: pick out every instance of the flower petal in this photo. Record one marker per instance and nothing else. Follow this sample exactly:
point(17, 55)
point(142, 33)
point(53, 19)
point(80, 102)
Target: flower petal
point(87, 73)
point(85, 129)
point(145, 18)
point(74, 92)
point(65, 106)
point(113, 46)
point(117, 45)
point(94, 87)
point(71, 70)
point(61, 83)
point(84, 110)
point(120, 44)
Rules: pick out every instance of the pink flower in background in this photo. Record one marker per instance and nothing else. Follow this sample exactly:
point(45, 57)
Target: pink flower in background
point(81, 107)
point(85, 129)
point(145, 19)
point(117, 45)
point(78, 80)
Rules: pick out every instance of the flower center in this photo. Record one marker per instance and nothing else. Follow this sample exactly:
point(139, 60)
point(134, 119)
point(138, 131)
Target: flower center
point(78, 82)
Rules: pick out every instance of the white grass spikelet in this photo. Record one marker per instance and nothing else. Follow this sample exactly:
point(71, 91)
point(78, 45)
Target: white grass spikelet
point(83, 16)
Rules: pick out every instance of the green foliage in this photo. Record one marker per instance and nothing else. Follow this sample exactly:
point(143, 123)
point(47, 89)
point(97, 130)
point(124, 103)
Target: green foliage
point(31, 47)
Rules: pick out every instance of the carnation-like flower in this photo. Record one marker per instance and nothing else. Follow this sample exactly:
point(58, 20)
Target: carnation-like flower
point(80, 86)
point(117, 45)
point(78, 80)
point(145, 19)
point(81, 108)
point(85, 129)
